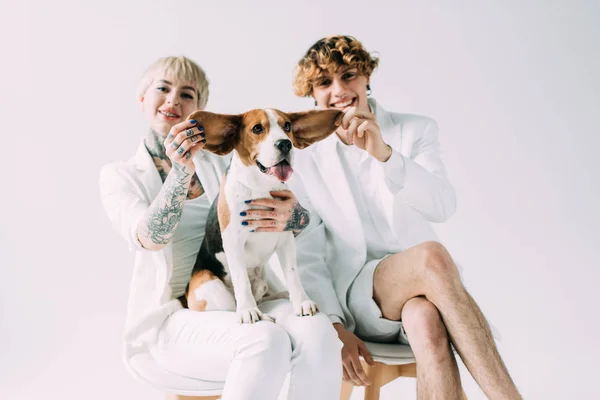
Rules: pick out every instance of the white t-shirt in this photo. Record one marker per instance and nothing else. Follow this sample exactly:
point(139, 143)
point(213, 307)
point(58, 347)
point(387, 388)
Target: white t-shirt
point(379, 238)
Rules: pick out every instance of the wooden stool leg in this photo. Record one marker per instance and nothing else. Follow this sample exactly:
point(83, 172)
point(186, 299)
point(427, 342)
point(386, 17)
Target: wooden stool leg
point(346, 390)
point(372, 391)
point(376, 373)
point(382, 374)
point(464, 395)
point(180, 397)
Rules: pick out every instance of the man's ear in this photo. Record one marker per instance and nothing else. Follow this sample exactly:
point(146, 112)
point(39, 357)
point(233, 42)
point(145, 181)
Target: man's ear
point(221, 130)
point(309, 127)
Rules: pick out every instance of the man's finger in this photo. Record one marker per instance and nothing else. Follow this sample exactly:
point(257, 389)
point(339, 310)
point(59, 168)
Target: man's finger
point(360, 372)
point(345, 376)
point(362, 348)
point(361, 129)
point(354, 112)
point(351, 113)
point(349, 368)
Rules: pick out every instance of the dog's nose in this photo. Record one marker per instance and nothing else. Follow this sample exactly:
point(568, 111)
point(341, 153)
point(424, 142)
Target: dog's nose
point(284, 145)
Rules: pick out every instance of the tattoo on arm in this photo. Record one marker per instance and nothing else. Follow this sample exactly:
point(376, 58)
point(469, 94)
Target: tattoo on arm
point(299, 219)
point(165, 211)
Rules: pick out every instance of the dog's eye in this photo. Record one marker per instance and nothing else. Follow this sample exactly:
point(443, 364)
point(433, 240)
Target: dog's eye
point(287, 127)
point(258, 128)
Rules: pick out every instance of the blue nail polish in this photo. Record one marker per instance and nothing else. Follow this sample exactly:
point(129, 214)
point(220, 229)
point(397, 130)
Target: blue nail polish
point(200, 127)
point(247, 201)
point(202, 135)
point(244, 223)
point(203, 140)
point(243, 213)
point(193, 121)
point(252, 230)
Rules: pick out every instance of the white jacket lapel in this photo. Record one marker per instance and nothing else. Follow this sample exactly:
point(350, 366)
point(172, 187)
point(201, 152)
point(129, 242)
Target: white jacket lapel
point(389, 132)
point(150, 176)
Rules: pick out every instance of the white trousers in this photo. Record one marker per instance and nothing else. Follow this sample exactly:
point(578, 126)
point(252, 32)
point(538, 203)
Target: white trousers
point(254, 359)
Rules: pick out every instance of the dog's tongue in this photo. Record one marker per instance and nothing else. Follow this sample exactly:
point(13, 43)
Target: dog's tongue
point(282, 171)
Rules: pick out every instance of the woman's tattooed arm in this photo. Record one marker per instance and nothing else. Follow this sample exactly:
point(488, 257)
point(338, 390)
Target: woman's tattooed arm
point(164, 214)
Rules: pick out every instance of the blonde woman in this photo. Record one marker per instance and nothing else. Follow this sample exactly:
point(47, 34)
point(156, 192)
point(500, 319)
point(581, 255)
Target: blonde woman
point(158, 202)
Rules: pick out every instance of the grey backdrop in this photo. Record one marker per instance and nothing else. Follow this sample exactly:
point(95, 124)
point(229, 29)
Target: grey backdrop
point(515, 89)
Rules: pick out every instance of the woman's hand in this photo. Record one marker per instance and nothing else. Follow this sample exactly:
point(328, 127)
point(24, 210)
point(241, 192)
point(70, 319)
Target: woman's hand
point(363, 131)
point(284, 213)
point(183, 142)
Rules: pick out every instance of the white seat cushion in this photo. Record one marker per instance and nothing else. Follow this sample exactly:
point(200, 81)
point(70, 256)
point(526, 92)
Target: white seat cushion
point(391, 354)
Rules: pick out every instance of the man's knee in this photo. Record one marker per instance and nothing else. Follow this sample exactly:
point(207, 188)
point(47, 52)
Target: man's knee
point(424, 326)
point(437, 262)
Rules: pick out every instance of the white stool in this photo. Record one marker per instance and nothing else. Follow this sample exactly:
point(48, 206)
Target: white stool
point(391, 361)
point(178, 387)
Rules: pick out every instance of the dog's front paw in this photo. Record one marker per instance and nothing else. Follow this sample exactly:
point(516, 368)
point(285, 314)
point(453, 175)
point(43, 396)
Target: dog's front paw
point(305, 307)
point(251, 315)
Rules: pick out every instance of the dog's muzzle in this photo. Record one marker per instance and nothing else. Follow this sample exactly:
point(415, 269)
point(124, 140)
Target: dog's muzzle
point(282, 170)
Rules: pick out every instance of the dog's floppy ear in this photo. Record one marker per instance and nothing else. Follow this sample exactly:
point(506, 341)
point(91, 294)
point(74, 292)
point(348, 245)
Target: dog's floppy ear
point(309, 127)
point(221, 130)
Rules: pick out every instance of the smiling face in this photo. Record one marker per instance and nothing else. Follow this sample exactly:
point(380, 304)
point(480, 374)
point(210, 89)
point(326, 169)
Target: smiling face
point(341, 90)
point(168, 101)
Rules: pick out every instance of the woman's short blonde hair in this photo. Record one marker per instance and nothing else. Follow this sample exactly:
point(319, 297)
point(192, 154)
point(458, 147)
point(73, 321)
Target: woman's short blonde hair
point(177, 68)
point(330, 54)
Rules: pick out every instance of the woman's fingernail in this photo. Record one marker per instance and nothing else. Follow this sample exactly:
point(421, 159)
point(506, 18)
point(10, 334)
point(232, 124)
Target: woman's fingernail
point(193, 121)
point(252, 230)
point(203, 134)
point(203, 140)
point(247, 201)
point(243, 213)
point(244, 222)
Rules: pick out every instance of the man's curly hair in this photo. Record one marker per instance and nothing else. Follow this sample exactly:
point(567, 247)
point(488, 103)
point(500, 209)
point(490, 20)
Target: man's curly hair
point(330, 54)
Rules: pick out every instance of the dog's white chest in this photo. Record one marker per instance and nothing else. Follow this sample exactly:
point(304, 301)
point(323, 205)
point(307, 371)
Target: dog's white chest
point(259, 248)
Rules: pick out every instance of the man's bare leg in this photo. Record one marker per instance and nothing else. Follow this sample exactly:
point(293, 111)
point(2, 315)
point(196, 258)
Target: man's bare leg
point(437, 373)
point(428, 270)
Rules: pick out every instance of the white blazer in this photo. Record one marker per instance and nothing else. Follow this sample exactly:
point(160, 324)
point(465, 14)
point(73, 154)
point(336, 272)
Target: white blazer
point(412, 188)
point(128, 188)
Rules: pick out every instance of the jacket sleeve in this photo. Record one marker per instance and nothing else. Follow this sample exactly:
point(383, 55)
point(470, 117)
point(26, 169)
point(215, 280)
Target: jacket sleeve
point(123, 205)
point(310, 255)
point(420, 180)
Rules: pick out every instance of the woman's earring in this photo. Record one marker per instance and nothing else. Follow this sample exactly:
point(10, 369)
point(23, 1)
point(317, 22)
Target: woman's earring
point(368, 90)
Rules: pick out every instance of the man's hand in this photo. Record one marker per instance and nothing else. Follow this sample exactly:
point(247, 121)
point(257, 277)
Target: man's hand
point(353, 348)
point(362, 130)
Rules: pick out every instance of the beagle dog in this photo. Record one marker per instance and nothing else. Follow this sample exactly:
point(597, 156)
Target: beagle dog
point(231, 258)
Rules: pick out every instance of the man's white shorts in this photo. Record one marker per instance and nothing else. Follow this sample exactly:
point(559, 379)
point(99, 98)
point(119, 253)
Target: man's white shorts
point(370, 323)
